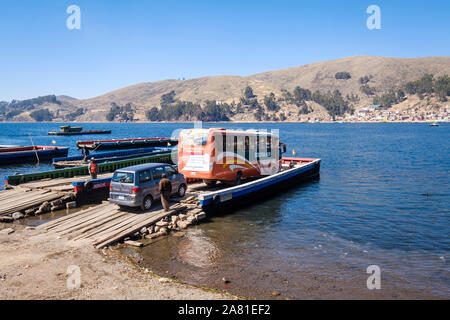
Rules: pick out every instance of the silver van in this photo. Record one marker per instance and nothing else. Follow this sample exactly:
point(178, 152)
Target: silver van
point(138, 186)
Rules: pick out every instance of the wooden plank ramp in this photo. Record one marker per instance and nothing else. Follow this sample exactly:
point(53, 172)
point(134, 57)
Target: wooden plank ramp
point(105, 224)
point(58, 184)
point(16, 200)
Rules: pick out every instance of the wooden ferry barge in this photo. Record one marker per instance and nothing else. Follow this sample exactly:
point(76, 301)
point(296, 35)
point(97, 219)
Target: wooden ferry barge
point(294, 171)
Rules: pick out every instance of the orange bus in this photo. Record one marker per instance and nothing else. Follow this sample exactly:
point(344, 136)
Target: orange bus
point(228, 155)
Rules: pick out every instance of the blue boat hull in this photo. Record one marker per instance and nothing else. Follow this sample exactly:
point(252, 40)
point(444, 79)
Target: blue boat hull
point(30, 156)
point(239, 198)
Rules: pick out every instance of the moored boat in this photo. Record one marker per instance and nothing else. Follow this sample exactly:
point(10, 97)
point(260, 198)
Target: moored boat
point(127, 143)
point(76, 161)
point(71, 131)
point(31, 154)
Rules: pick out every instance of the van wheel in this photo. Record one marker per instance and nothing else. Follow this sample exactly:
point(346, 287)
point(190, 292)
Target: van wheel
point(181, 190)
point(238, 179)
point(147, 203)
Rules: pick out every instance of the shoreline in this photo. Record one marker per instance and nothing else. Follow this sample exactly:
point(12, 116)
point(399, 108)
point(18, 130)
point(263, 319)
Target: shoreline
point(34, 265)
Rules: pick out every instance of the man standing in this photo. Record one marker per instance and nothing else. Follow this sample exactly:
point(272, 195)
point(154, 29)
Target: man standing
point(85, 153)
point(165, 189)
point(93, 168)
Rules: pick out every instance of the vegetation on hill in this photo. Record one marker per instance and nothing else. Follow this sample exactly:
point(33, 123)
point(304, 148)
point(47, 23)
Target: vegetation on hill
point(121, 113)
point(270, 102)
point(366, 89)
point(426, 85)
point(364, 80)
point(188, 111)
point(342, 75)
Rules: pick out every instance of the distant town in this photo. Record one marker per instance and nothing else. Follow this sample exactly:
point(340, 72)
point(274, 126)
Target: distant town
point(376, 113)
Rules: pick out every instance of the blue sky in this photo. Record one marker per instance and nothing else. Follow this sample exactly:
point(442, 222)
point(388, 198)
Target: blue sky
point(122, 43)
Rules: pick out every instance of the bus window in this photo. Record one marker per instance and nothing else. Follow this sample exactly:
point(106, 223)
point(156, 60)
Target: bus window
point(224, 142)
point(247, 147)
point(257, 147)
point(269, 146)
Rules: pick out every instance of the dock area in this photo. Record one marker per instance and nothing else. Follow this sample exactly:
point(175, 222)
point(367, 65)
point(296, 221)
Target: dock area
point(106, 224)
point(39, 197)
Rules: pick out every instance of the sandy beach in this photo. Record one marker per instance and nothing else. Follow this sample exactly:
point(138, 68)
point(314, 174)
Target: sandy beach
point(34, 265)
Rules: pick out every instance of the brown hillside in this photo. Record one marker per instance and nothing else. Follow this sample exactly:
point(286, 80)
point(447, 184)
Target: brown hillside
point(385, 73)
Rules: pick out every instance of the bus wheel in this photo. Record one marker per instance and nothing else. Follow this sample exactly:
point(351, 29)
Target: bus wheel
point(238, 179)
point(210, 183)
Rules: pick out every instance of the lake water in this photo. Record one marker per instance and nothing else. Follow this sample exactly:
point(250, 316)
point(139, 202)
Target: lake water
point(383, 198)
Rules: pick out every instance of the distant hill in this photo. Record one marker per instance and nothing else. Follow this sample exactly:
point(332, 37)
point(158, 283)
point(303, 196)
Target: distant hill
point(358, 79)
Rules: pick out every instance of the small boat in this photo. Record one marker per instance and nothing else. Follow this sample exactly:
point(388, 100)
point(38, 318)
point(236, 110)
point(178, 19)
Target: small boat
point(31, 154)
point(71, 131)
point(98, 145)
point(77, 161)
point(434, 124)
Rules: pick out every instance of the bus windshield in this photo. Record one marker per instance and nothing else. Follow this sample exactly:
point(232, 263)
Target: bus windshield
point(194, 137)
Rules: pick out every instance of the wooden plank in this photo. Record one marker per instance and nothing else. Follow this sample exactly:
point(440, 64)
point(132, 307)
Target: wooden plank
point(81, 219)
point(111, 231)
point(81, 232)
point(29, 203)
point(102, 218)
point(17, 197)
point(107, 227)
point(52, 224)
point(104, 242)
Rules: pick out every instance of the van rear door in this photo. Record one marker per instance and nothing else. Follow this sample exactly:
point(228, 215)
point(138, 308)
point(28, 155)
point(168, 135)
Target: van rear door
point(122, 182)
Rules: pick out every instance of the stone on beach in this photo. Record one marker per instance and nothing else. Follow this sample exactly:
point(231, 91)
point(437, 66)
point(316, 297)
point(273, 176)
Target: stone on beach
point(182, 224)
point(134, 243)
point(162, 223)
point(17, 215)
